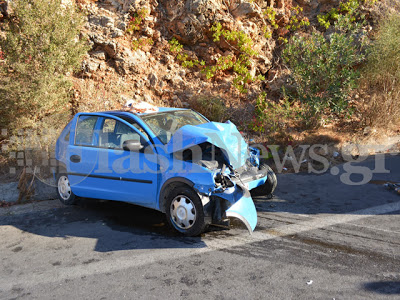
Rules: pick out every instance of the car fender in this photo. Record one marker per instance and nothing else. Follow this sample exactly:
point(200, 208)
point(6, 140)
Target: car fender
point(166, 185)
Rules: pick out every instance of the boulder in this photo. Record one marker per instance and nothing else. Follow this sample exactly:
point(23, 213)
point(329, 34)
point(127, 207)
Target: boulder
point(107, 21)
point(131, 62)
point(190, 21)
point(90, 66)
point(153, 79)
point(98, 55)
point(108, 46)
point(43, 189)
point(95, 20)
point(127, 5)
point(247, 10)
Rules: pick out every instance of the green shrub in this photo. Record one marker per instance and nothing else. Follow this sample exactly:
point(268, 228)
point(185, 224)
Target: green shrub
point(323, 68)
point(351, 9)
point(240, 62)
point(177, 49)
point(141, 43)
point(381, 75)
point(270, 15)
point(383, 60)
point(297, 20)
point(136, 20)
point(41, 46)
point(272, 117)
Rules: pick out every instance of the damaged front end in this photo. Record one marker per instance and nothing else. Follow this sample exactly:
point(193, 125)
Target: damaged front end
point(231, 197)
point(221, 149)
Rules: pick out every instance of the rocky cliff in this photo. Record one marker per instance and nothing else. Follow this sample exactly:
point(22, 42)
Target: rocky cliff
point(138, 63)
point(173, 52)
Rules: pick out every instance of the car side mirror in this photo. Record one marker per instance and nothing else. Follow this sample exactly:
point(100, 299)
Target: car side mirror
point(132, 145)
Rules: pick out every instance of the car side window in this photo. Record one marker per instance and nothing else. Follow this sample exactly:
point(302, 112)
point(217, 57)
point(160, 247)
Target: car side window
point(136, 125)
point(109, 125)
point(84, 135)
point(113, 134)
point(139, 128)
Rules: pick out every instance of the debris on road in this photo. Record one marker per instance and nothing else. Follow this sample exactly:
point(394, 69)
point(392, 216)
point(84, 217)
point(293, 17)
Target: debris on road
point(309, 282)
point(393, 186)
point(5, 203)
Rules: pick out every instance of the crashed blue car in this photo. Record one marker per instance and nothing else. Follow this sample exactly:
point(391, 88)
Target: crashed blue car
point(176, 161)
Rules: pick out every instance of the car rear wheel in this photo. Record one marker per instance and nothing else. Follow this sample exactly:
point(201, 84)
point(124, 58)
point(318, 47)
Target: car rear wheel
point(185, 211)
point(64, 190)
point(269, 186)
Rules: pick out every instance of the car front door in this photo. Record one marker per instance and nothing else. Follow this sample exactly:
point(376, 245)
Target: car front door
point(101, 168)
point(122, 174)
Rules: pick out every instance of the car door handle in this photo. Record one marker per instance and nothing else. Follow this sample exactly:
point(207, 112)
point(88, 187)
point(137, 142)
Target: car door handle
point(75, 158)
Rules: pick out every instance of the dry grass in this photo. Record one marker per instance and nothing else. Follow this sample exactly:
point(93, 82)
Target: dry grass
point(381, 76)
point(212, 107)
point(382, 107)
point(99, 95)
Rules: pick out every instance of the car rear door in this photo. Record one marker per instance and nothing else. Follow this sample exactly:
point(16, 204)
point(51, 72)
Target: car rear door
point(82, 153)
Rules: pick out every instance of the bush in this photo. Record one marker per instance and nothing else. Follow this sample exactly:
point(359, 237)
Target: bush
point(323, 68)
point(381, 75)
point(274, 118)
point(240, 62)
point(40, 48)
point(211, 107)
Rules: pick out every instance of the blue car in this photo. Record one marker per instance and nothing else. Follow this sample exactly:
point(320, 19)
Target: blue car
point(176, 161)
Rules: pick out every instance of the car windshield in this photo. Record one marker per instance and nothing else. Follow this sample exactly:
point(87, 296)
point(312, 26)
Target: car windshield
point(165, 124)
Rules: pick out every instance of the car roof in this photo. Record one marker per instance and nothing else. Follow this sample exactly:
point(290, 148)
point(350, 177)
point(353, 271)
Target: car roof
point(127, 112)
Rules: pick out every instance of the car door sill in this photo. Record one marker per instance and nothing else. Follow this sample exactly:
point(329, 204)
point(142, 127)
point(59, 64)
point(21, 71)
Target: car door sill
point(112, 178)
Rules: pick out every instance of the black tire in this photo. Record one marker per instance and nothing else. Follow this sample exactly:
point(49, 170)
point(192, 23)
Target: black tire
point(184, 201)
point(64, 191)
point(269, 186)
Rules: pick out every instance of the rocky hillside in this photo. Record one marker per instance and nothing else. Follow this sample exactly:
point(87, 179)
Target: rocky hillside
point(131, 53)
point(217, 56)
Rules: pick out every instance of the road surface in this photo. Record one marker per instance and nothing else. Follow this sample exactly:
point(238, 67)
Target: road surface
point(318, 238)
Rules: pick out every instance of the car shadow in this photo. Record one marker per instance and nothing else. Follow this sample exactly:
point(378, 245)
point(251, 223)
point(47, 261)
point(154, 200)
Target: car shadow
point(115, 225)
point(384, 287)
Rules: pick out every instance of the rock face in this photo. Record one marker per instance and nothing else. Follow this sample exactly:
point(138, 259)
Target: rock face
point(131, 62)
point(140, 55)
point(4, 10)
point(247, 10)
point(125, 5)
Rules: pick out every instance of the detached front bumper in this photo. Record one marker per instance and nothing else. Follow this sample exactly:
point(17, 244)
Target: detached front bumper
point(245, 210)
point(239, 203)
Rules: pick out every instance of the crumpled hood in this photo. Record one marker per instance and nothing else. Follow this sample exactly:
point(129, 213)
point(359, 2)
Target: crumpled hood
point(223, 135)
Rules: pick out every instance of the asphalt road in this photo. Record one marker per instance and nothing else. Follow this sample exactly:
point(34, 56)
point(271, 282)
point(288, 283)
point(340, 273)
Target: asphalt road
point(318, 238)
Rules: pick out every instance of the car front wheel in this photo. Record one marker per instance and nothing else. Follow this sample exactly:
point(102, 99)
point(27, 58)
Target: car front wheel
point(64, 190)
point(269, 186)
point(185, 212)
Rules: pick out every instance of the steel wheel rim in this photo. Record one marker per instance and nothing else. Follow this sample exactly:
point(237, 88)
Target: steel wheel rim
point(183, 212)
point(64, 188)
